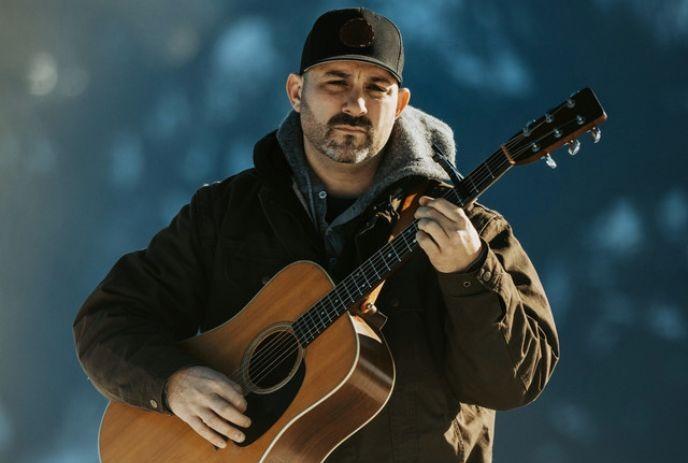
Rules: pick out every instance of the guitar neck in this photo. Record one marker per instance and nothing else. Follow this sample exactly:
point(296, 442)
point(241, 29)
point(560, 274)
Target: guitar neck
point(355, 286)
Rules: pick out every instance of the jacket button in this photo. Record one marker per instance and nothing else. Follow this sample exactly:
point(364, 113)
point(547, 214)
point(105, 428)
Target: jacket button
point(466, 284)
point(487, 275)
point(153, 403)
point(322, 194)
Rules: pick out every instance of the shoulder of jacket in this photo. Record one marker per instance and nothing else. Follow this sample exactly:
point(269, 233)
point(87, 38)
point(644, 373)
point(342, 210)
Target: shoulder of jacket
point(221, 190)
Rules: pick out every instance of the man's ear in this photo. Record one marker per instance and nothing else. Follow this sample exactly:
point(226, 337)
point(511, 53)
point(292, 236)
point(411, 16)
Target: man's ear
point(294, 87)
point(403, 97)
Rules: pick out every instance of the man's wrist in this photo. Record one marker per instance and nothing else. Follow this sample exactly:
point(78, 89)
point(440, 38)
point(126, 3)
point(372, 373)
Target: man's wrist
point(478, 261)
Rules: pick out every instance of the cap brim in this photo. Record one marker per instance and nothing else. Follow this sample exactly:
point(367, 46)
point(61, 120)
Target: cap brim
point(352, 57)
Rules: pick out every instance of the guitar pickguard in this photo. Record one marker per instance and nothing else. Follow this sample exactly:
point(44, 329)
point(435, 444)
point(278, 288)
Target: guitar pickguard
point(265, 409)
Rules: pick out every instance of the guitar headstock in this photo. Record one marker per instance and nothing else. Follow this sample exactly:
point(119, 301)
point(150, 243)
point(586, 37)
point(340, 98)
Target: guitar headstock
point(563, 124)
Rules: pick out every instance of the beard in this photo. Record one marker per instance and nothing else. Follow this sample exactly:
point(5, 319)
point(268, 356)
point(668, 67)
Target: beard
point(338, 145)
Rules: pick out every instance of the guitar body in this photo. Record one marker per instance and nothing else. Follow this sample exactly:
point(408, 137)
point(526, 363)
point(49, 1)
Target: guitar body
point(303, 402)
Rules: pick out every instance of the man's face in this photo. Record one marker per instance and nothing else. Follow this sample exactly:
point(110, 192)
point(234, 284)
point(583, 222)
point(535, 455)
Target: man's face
point(348, 109)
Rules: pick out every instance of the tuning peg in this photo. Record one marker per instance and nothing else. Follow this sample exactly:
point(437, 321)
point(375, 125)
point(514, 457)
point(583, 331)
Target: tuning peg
point(528, 128)
point(596, 134)
point(550, 162)
point(574, 147)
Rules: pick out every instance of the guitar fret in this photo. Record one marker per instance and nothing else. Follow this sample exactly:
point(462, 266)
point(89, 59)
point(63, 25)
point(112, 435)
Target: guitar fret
point(455, 198)
point(322, 322)
point(362, 273)
point(403, 237)
point(360, 293)
point(313, 324)
point(382, 256)
point(337, 301)
point(377, 275)
point(473, 184)
point(487, 166)
point(395, 252)
point(347, 291)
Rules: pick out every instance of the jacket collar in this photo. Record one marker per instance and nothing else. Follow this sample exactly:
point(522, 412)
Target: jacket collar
point(408, 152)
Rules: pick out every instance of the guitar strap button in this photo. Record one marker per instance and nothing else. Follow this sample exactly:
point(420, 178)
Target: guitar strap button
point(370, 308)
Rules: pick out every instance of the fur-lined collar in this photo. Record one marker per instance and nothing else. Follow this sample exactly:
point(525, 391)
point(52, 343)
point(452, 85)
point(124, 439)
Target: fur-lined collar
point(408, 152)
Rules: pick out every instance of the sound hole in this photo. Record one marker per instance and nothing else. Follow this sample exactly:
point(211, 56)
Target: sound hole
point(273, 361)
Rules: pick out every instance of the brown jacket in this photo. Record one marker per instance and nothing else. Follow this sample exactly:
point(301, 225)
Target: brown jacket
point(464, 344)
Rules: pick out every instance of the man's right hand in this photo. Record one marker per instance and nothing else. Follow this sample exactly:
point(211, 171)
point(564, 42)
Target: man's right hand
point(208, 401)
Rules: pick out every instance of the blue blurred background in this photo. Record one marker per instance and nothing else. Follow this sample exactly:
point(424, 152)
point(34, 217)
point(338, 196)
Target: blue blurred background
point(112, 113)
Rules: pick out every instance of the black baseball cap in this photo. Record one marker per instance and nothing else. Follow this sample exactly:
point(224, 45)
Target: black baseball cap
point(354, 34)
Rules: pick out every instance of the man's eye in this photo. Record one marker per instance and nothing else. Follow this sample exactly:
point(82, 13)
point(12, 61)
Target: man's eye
point(376, 88)
point(337, 82)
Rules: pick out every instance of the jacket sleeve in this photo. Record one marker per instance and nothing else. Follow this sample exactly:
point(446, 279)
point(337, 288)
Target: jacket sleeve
point(127, 330)
point(501, 341)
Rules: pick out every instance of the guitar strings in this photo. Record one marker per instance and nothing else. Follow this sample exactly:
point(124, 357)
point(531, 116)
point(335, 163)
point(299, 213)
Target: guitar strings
point(267, 369)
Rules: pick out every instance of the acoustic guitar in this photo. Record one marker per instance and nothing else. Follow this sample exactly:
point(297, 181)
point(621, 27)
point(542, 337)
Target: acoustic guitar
point(313, 373)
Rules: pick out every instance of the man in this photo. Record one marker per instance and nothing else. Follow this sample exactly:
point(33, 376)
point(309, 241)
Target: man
point(470, 327)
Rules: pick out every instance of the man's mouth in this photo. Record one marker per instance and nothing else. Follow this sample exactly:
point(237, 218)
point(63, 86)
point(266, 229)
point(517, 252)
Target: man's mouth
point(349, 128)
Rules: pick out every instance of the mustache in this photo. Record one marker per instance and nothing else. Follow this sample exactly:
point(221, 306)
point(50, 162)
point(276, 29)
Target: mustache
point(346, 119)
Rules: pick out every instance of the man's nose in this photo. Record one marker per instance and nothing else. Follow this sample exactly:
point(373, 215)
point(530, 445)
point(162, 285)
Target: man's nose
point(355, 104)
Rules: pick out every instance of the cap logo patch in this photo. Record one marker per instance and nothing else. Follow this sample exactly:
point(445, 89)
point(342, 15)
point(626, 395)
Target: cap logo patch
point(356, 33)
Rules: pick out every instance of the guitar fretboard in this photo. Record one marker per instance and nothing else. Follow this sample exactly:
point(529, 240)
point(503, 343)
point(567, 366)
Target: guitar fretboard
point(355, 286)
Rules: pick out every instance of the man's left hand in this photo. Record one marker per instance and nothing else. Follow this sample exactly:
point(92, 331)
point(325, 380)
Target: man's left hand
point(446, 235)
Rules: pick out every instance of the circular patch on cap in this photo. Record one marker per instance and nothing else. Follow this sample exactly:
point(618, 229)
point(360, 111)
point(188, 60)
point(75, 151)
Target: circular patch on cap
point(356, 33)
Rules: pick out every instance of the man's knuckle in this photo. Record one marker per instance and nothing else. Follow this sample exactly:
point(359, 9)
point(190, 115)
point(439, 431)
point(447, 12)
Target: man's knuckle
point(215, 422)
point(237, 387)
point(236, 399)
point(224, 428)
point(226, 409)
point(196, 423)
